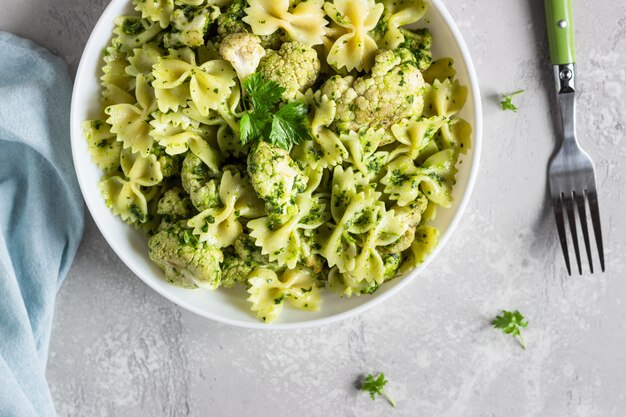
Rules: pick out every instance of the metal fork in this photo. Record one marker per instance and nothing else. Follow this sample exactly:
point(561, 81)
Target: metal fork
point(571, 173)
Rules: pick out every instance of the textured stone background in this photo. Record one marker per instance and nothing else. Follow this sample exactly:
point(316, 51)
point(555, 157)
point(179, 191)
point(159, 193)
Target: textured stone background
point(118, 349)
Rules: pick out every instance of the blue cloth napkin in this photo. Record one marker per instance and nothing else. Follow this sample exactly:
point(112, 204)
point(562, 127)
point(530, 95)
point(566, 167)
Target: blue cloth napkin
point(41, 217)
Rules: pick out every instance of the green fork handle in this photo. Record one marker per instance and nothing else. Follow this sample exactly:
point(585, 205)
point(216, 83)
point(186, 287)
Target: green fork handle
point(560, 20)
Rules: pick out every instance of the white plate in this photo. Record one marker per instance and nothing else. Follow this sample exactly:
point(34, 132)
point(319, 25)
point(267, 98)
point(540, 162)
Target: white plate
point(230, 306)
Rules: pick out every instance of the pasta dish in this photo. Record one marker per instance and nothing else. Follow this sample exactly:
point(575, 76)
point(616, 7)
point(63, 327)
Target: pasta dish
point(287, 146)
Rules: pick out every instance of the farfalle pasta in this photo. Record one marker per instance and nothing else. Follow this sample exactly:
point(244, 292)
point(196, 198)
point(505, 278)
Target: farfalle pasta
point(123, 191)
point(209, 84)
point(130, 121)
point(397, 14)
point(268, 291)
point(133, 32)
point(326, 149)
point(362, 146)
point(283, 243)
point(304, 22)
point(177, 134)
point(355, 48)
point(220, 225)
point(347, 207)
point(188, 26)
point(141, 60)
point(156, 10)
point(103, 145)
point(414, 135)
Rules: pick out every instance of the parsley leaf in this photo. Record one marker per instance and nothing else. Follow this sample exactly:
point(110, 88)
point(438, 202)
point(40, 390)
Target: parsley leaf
point(511, 323)
point(254, 125)
point(289, 126)
point(507, 101)
point(284, 127)
point(264, 95)
point(375, 386)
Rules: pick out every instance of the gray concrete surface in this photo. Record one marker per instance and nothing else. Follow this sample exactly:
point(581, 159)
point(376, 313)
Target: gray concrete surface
point(118, 349)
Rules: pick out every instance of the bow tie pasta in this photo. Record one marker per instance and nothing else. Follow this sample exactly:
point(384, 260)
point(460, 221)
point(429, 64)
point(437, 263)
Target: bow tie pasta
point(130, 121)
point(303, 22)
point(124, 192)
point(347, 208)
point(355, 48)
point(397, 13)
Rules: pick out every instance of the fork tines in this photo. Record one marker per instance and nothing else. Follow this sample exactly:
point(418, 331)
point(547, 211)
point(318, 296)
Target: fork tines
point(568, 203)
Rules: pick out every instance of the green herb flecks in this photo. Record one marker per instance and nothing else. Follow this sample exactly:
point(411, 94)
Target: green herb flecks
point(511, 323)
point(132, 27)
point(188, 238)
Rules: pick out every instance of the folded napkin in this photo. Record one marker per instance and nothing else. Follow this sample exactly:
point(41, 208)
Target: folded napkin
point(41, 217)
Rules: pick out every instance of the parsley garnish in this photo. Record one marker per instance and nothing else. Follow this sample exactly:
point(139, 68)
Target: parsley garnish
point(375, 386)
point(507, 101)
point(264, 120)
point(511, 323)
point(263, 95)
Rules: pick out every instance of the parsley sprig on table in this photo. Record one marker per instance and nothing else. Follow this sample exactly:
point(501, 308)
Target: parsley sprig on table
point(511, 322)
point(507, 101)
point(264, 120)
point(375, 386)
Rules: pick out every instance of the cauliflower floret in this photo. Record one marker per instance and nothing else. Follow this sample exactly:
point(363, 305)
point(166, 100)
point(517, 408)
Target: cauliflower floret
point(231, 22)
point(241, 259)
point(277, 180)
point(174, 206)
point(200, 183)
point(244, 52)
point(189, 25)
point(235, 270)
point(294, 67)
point(246, 249)
point(186, 261)
point(393, 91)
point(412, 216)
point(170, 164)
point(419, 43)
